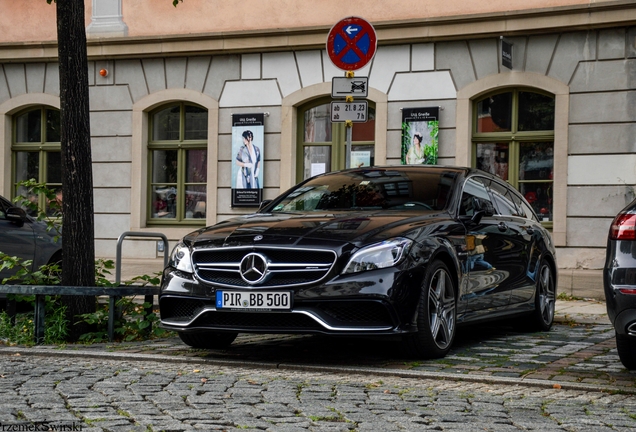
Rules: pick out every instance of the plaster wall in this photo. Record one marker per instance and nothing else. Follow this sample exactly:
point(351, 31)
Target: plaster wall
point(34, 20)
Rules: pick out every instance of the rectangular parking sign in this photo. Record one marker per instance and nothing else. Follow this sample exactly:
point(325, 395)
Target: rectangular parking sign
point(341, 87)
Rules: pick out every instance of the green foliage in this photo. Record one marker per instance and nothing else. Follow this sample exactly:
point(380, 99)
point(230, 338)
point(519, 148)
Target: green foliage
point(52, 215)
point(431, 151)
point(135, 321)
point(20, 330)
point(133, 325)
point(174, 2)
point(406, 139)
point(47, 274)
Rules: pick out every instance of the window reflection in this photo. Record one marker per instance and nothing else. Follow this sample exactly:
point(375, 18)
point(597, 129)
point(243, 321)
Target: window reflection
point(365, 131)
point(494, 113)
point(52, 126)
point(539, 196)
point(196, 123)
point(316, 160)
point(318, 124)
point(493, 158)
point(54, 167)
point(166, 124)
point(195, 202)
point(536, 112)
point(29, 127)
point(537, 166)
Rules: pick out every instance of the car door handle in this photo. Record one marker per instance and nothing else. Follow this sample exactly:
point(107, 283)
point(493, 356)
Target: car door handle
point(502, 226)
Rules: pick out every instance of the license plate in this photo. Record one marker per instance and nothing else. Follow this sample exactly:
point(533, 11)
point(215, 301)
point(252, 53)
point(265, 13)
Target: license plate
point(279, 300)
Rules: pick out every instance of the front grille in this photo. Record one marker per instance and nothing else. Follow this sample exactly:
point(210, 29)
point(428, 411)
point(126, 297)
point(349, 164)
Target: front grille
point(368, 313)
point(277, 279)
point(257, 321)
point(180, 310)
point(285, 266)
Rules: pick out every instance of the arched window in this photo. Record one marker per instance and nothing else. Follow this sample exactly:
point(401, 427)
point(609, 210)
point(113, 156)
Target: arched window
point(36, 151)
point(322, 143)
point(177, 153)
point(513, 138)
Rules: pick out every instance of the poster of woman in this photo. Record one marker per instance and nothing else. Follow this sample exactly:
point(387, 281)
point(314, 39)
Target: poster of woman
point(420, 129)
point(248, 133)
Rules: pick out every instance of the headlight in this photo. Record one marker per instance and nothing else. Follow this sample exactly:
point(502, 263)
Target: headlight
point(180, 258)
point(379, 255)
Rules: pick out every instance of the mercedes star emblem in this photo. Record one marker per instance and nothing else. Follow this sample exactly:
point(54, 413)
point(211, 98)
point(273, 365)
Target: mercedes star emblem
point(253, 268)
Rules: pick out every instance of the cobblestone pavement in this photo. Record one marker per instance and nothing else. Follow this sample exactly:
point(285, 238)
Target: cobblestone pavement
point(572, 355)
point(494, 379)
point(115, 395)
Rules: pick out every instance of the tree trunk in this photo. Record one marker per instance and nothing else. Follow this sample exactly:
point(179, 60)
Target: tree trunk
point(78, 261)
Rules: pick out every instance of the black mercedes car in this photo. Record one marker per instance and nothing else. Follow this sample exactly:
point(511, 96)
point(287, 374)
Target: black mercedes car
point(619, 281)
point(404, 251)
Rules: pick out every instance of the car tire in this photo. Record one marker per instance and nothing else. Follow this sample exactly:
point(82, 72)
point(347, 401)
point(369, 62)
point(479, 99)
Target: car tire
point(542, 318)
point(626, 346)
point(436, 315)
point(208, 339)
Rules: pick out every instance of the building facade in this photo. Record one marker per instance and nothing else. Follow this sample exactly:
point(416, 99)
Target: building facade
point(167, 83)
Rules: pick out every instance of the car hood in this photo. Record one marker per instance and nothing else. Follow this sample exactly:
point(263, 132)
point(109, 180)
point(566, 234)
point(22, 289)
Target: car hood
point(326, 229)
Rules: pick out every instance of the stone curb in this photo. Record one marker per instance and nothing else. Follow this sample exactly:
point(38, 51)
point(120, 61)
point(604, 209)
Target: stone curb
point(399, 373)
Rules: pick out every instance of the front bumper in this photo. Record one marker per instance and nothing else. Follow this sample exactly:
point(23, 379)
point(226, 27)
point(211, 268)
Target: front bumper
point(378, 302)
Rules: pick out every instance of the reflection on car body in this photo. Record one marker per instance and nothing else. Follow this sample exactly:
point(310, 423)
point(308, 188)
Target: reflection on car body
point(405, 251)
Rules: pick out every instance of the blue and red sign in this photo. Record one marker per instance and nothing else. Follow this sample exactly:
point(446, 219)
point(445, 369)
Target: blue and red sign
point(351, 43)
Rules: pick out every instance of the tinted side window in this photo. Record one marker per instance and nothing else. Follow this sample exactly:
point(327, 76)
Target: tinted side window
point(504, 202)
point(525, 207)
point(475, 193)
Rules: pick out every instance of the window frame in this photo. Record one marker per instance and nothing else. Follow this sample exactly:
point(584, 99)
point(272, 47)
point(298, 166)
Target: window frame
point(182, 146)
point(43, 148)
point(514, 138)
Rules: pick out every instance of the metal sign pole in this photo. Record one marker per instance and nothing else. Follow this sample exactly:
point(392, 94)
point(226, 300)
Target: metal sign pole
point(349, 127)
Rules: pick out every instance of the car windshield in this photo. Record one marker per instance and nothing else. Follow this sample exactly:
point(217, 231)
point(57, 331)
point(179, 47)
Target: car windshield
point(393, 189)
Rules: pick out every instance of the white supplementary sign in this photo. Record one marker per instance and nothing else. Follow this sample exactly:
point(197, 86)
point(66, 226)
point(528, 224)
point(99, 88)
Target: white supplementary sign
point(354, 111)
point(342, 87)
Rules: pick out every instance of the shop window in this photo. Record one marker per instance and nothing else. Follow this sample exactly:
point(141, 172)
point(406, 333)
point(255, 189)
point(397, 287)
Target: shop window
point(513, 138)
point(36, 154)
point(178, 160)
point(322, 144)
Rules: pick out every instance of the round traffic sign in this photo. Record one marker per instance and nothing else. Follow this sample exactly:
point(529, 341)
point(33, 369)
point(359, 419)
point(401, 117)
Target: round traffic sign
point(351, 43)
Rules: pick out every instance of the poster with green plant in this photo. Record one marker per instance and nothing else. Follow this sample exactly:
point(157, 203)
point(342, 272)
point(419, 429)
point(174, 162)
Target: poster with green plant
point(420, 130)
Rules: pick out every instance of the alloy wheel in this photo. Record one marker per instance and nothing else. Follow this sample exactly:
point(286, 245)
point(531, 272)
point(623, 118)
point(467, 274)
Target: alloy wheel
point(546, 293)
point(441, 308)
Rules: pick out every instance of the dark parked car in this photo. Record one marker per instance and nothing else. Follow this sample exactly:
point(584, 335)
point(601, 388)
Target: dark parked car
point(619, 281)
point(406, 251)
point(25, 237)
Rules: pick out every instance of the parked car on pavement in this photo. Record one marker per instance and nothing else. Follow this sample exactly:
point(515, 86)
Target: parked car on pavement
point(25, 237)
point(619, 282)
point(404, 251)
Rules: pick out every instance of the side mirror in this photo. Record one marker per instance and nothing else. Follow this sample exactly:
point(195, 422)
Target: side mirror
point(16, 215)
point(481, 208)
